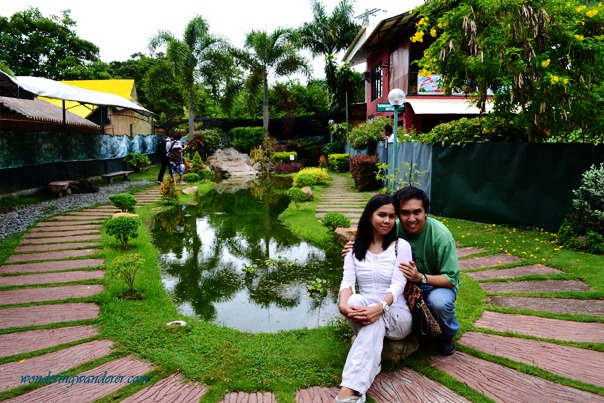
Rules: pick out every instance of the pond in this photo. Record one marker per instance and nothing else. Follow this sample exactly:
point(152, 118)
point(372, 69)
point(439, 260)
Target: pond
point(227, 259)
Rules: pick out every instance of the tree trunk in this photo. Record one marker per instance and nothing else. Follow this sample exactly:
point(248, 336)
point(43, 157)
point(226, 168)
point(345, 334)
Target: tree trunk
point(265, 107)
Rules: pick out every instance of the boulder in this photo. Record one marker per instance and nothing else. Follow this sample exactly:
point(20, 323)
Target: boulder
point(343, 235)
point(230, 162)
point(190, 190)
point(397, 350)
point(308, 191)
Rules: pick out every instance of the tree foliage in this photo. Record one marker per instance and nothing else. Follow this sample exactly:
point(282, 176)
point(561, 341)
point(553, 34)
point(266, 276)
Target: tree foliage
point(541, 58)
point(34, 45)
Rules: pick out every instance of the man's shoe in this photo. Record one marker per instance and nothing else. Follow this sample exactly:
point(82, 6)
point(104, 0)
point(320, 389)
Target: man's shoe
point(350, 399)
point(159, 182)
point(445, 347)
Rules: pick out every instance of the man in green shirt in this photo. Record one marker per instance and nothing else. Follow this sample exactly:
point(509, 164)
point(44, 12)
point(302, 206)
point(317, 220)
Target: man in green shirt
point(434, 264)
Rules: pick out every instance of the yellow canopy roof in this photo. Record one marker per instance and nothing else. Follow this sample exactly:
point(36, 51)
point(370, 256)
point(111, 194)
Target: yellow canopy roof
point(123, 87)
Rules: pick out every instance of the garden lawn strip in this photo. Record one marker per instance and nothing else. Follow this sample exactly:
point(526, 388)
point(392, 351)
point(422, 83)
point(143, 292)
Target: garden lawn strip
point(50, 278)
point(173, 389)
point(54, 246)
point(46, 314)
point(55, 362)
point(536, 286)
point(32, 340)
point(513, 272)
point(488, 261)
point(546, 328)
point(406, 385)
point(56, 265)
point(45, 294)
point(30, 257)
point(592, 307)
point(570, 362)
point(102, 382)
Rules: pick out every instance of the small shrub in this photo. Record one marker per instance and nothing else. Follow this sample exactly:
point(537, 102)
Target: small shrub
point(296, 195)
point(368, 132)
point(284, 156)
point(594, 243)
point(206, 174)
point(321, 176)
point(339, 162)
point(304, 180)
point(196, 163)
point(334, 148)
point(169, 191)
point(323, 162)
point(123, 201)
point(333, 220)
point(364, 169)
point(287, 168)
point(204, 142)
point(191, 178)
point(257, 153)
point(122, 228)
point(246, 138)
point(125, 267)
point(136, 161)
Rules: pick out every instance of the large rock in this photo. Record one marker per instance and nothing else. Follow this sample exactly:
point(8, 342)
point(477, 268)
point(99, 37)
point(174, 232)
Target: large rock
point(397, 350)
point(230, 162)
point(343, 235)
point(308, 191)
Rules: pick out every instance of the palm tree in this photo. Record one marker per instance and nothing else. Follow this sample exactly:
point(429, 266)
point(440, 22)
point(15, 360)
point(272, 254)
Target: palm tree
point(327, 34)
point(266, 56)
point(191, 59)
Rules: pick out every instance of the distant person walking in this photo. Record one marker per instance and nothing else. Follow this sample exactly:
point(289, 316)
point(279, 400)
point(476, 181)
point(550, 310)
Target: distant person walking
point(162, 152)
point(177, 165)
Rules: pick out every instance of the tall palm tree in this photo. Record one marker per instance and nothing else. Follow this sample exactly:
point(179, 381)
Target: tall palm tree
point(191, 59)
point(327, 34)
point(270, 55)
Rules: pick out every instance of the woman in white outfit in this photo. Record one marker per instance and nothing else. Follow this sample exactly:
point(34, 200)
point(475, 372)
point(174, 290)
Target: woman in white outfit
point(379, 309)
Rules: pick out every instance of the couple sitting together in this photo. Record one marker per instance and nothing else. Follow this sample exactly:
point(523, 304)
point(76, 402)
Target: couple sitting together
point(425, 254)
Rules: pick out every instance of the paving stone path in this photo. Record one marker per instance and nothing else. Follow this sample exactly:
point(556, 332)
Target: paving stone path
point(46, 286)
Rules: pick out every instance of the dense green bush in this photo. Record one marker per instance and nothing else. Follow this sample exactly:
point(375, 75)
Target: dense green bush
point(206, 174)
point(486, 129)
point(583, 227)
point(336, 147)
point(136, 161)
point(204, 142)
point(305, 180)
point(368, 132)
point(196, 163)
point(191, 178)
point(246, 138)
point(334, 219)
point(339, 162)
point(284, 156)
point(321, 176)
point(122, 228)
point(123, 201)
point(364, 169)
point(296, 195)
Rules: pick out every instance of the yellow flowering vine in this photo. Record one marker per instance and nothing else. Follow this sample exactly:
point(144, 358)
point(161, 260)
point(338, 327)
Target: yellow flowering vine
point(545, 63)
point(418, 37)
point(579, 37)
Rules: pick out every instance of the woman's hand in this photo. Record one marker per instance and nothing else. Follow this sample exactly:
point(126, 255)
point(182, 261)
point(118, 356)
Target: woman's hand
point(362, 315)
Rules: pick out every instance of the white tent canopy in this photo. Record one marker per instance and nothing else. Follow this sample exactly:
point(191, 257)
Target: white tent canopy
point(54, 89)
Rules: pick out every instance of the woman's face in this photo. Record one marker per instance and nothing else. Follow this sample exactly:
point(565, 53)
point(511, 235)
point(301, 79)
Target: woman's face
point(383, 219)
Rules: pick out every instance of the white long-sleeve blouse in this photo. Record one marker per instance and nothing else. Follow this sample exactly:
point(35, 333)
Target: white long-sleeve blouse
point(378, 274)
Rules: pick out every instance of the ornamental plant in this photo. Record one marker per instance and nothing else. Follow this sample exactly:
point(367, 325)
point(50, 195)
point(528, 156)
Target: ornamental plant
point(136, 161)
point(334, 219)
point(321, 176)
point(191, 178)
point(126, 267)
point(123, 201)
point(122, 228)
point(296, 195)
point(305, 180)
point(169, 191)
point(362, 135)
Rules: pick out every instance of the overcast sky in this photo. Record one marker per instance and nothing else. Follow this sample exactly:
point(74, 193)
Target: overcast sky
point(121, 28)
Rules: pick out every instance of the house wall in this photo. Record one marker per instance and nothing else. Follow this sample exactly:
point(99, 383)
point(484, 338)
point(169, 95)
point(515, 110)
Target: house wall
point(377, 57)
point(129, 123)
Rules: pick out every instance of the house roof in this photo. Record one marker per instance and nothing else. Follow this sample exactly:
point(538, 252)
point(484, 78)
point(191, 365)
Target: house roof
point(445, 106)
point(368, 40)
point(123, 87)
point(43, 111)
point(44, 87)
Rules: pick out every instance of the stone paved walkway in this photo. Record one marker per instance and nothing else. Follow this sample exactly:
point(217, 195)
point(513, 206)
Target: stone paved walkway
point(44, 305)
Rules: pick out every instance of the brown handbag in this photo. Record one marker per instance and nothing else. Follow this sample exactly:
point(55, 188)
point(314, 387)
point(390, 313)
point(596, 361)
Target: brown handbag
point(425, 326)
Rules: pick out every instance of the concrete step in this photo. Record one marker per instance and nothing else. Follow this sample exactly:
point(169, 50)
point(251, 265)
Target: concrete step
point(50, 278)
point(513, 272)
point(174, 389)
point(66, 217)
point(60, 239)
point(594, 307)
point(468, 250)
point(52, 266)
point(55, 246)
point(33, 340)
point(25, 295)
point(63, 227)
point(249, 397)
point(488, 261)
point(536, 286)
point(30, 257)
point(46, 314)
point(65, 235)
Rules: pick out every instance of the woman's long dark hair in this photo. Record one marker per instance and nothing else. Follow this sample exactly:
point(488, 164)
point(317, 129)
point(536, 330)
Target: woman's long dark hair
point(365, 229)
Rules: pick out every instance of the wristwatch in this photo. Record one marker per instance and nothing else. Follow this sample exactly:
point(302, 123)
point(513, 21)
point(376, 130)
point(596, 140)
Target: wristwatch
point(424, 279)
point(385, 306)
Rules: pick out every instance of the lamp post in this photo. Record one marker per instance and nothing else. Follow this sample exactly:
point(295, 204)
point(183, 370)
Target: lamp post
point(396, 98)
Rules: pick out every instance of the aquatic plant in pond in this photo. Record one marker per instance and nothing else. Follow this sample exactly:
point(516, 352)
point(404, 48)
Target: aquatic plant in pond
point(230, 261)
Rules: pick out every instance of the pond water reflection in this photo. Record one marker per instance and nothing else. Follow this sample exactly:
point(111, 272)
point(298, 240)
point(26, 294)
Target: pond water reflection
point(230, 261)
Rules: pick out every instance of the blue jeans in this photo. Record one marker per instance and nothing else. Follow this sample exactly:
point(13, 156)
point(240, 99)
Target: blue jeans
point(441, 301)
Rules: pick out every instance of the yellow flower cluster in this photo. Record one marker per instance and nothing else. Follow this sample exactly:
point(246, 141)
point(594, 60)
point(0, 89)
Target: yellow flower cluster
point(580, 9)
point(579, 37)
point(422, 22)
point(425, 73)
point(545, 63)
point(592, 13)
point(554, 79)
point(418, 37)
point(433, 33)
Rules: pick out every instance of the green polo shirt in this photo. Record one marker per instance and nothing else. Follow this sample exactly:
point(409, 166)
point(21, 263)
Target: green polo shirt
point(433, 250)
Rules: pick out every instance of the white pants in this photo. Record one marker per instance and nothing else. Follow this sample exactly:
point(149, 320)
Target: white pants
point(365, 356)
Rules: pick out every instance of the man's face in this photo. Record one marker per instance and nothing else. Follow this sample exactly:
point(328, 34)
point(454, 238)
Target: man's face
point(412, 216)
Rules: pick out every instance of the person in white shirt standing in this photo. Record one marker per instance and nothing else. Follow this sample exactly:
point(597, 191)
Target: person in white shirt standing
point(379, 309)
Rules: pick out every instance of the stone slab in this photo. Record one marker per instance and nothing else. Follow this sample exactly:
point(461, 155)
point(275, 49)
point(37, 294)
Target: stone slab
point(513, 272)
point(317, 394)
point(536, 286)
point(60, 234)
point(488, 261)
point(46, 314)
point(79, 224)
point(56, 362)
point(25, 342)
point(570, 362)
point(52, 266)
point(594, 307)
point(90, 214)
point(55, 246)
point(504, 384)
point(405, 386)
point(127, 367)
point(63, 227)
point(173, 389)
point(245, 397)
point(556, 329)
point(23, 296)
point(93, 236)
point(50, 278)
point(73, 218)
point(468, 250)
point(30, 257)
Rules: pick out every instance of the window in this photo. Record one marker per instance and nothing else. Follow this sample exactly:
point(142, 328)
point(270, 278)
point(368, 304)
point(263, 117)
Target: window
point(376, 82)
